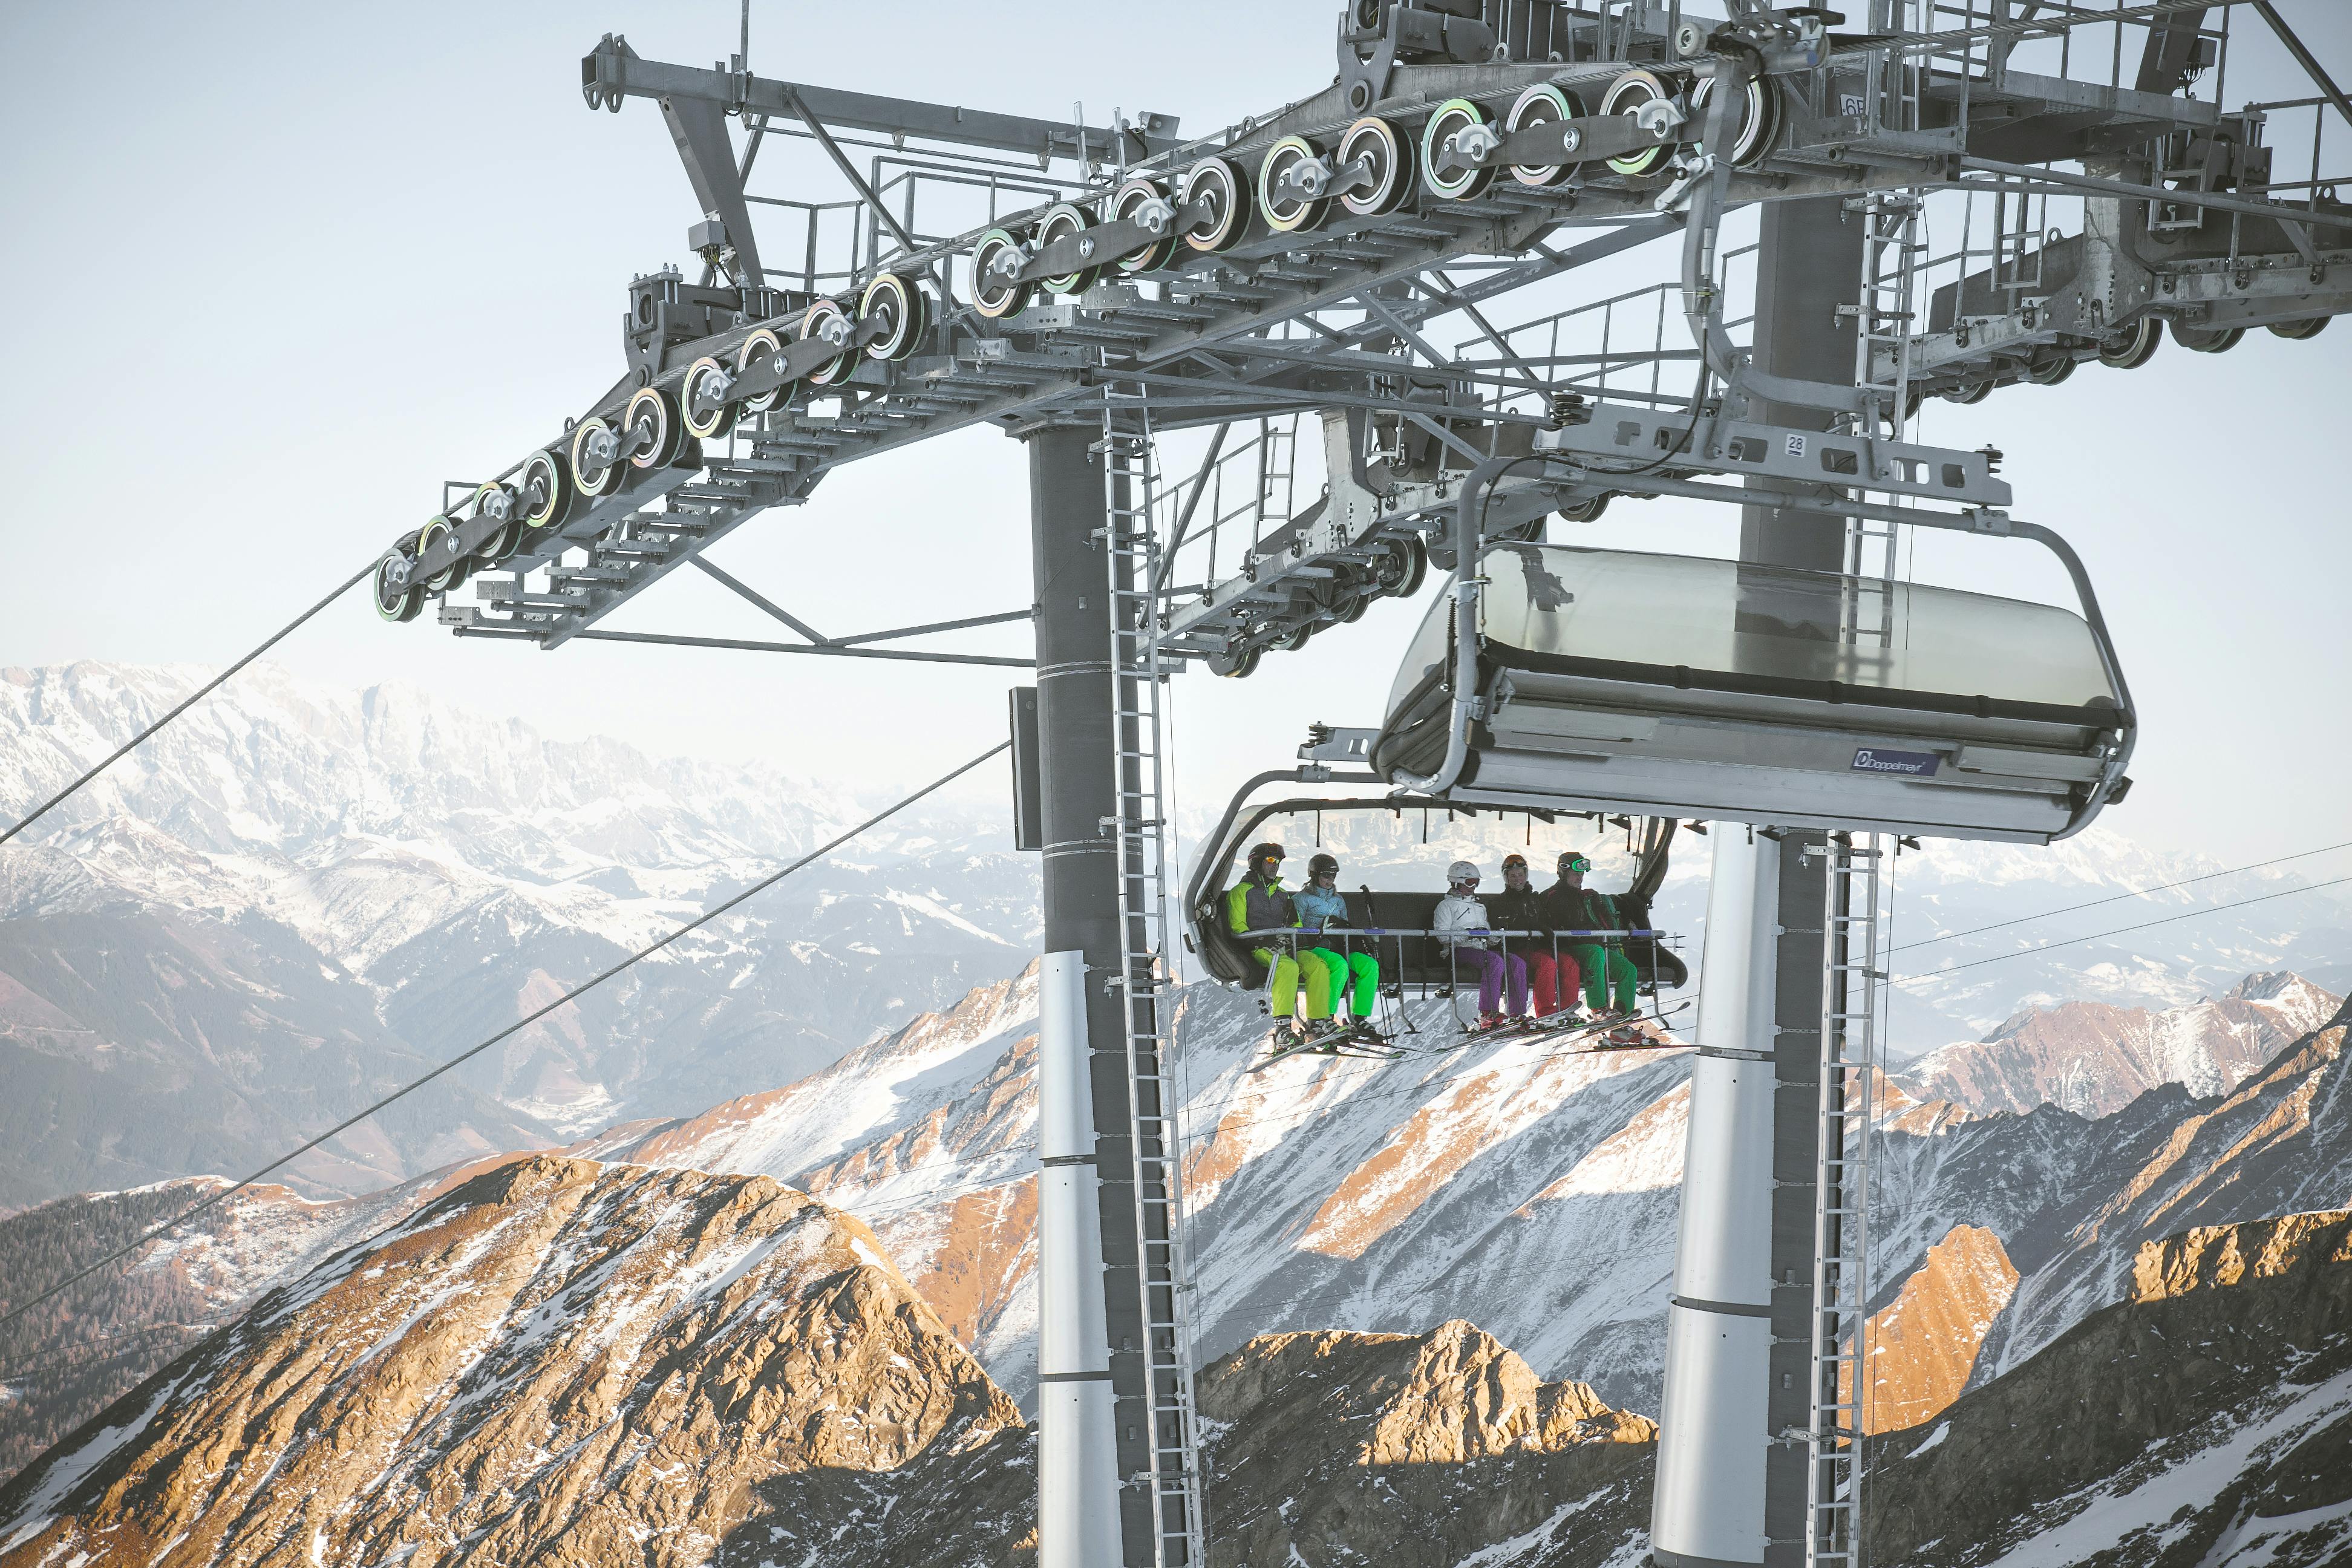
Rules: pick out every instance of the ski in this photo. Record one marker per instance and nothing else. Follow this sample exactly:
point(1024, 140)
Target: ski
point(1363, 1042)
point(1558, 1027)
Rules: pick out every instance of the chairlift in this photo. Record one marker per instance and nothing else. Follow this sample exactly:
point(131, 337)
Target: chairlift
point(1391, 919)
point(1669, 685)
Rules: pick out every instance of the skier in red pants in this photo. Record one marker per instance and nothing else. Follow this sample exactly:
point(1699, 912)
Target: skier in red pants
point(1551, 977)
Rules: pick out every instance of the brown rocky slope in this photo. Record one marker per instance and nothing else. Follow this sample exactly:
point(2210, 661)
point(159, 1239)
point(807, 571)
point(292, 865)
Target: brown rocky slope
point(563, 1363)
point(556, 1363)
point(2206, 1421)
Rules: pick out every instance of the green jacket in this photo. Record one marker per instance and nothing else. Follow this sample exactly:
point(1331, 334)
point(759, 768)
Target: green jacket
point(1259, 906)
point(1582, 909)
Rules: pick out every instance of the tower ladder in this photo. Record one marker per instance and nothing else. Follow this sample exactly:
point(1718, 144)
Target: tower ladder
point(1853, 968)
point(1131, 481)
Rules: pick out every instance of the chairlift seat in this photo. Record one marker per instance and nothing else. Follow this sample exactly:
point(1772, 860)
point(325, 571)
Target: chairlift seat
point(1382, 920)
point(1685, 686)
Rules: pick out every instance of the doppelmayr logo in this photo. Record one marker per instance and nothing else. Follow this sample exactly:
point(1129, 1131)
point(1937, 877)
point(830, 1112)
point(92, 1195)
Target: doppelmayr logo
point(1911, 764)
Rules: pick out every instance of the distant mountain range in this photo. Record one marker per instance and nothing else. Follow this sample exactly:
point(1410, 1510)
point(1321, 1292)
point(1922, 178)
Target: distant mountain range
point(297, 897)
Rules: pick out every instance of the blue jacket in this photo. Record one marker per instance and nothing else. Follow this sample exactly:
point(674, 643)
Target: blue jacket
point(1319, 909)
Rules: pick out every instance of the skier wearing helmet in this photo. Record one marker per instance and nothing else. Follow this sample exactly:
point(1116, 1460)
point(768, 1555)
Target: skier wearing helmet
point(1608, 976)
point(1323, 907)
point(1460, 910)
point(1551, 976)
point(1260, 903)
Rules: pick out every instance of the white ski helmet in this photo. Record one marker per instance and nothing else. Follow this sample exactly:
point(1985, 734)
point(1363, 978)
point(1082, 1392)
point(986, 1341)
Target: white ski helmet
point(1460, 871)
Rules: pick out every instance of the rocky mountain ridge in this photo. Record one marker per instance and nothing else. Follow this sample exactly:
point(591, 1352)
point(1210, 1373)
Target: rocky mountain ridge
point(565, 1364)
point(557, 1359)
point(2206, 1419)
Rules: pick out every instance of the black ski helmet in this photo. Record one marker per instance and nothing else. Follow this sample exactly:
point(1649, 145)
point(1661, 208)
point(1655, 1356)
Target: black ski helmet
point(1320, 864)
point(1260, 854)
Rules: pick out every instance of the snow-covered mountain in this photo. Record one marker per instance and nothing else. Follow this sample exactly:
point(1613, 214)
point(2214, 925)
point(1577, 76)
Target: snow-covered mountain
point(297, 895)
point(1968, 933)
point(1516, 1183)
point(2094, 1060)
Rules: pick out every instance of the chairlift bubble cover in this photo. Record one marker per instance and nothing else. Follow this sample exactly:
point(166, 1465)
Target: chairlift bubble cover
point(1696, 687)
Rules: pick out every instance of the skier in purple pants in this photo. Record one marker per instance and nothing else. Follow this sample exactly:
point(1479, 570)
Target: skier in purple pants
point(1460, 910)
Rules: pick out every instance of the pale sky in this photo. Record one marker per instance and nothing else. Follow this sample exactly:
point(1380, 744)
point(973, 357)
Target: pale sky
point(281, 269)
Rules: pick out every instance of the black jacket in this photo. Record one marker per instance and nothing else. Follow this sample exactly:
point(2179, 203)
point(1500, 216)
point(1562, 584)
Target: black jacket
point(1522, 909)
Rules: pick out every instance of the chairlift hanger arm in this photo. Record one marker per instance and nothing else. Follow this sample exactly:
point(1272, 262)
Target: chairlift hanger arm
point(829, 650)
point(613, 71)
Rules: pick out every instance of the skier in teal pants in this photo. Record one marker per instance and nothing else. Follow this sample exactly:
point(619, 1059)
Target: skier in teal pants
point(1323, 907)
point(1609, 975)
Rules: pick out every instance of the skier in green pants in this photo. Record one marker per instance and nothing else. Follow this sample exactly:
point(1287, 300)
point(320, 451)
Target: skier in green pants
point(1259, 903)
point(1609, 975)
point(1351, 977)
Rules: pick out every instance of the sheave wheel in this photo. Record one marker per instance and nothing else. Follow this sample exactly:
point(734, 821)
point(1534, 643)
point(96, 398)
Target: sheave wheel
point(1216, 188)
point(703, 406)
point(2135, 347)
point(429, 539)
point(503, 506)
point(546, 491)
point(652, 412)
point(900, 307)
point(1124, 202)
point(1971, 390)
point(1402, 569)
point(1060, 223)
point(597, 466)
point(1455, 182)
point(1287, 212)
point(2205, 341)
point(758, 346)
point(1625, 96)
point(1754, 118)
point(1240, 666)
point(994, 294)
point(828, 321)
point(1541, 105)
point(396, 600)
point(1387, 156)
point(2297, 331)
point(1584, 511)
point(2050, 369)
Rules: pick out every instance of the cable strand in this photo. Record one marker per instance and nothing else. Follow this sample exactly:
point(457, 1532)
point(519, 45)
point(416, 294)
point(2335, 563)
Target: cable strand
point(201, 692)
point(412, 1087)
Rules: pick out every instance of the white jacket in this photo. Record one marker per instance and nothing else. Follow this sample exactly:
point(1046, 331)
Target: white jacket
point(1460, 911)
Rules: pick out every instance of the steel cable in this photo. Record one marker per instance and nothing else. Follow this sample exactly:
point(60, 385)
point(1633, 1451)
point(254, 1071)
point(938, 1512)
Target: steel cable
point(413, 1085)
point(195, 697)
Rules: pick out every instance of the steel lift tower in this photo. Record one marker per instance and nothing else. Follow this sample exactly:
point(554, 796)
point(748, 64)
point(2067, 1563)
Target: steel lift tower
point(1387, 278)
